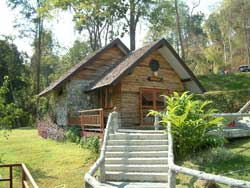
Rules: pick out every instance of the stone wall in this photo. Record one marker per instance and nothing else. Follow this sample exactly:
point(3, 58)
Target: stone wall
point(61, 108)
point(77, 99)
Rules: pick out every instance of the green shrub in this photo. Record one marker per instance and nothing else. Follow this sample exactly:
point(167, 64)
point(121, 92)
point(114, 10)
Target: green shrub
point(73, 134)
point(11, 115)
point(92, 143)
point(226, 101)
point(191, 122)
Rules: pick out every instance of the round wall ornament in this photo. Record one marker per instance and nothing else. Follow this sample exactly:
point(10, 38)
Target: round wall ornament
point(154, 65)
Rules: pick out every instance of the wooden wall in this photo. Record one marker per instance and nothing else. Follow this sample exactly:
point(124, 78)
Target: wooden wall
point(86, 75)
point(100, 64)
point(131, 84)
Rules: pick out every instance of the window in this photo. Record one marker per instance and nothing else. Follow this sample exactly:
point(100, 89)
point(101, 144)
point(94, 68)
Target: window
point(107, 97)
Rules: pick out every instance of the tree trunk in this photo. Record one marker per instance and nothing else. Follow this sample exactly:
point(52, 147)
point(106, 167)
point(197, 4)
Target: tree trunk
point(132, 25)
point(179, 30)
point(245, 36)
point(39, 54)
point(230, 46)
point(225, 52)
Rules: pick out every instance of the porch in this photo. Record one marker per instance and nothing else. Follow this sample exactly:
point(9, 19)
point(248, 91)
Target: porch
point(132, 107)
point(93, 122)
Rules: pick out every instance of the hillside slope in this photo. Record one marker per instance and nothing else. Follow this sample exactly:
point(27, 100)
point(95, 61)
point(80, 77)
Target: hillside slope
point(226, 82)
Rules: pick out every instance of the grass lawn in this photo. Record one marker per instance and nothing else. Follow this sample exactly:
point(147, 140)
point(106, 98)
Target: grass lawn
point(51, 163)
point(226, 82)
point(234, 161)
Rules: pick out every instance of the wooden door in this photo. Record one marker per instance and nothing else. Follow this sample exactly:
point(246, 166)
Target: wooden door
point(151, 99)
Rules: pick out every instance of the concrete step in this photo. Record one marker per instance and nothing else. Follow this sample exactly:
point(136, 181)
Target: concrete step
point(136, 176)
point(137, 154)
point(137, 148)
point(140, 131)
point(117, 184)
point(138, 142)
point(137, 160)
point(136, 136)
point(136, 168)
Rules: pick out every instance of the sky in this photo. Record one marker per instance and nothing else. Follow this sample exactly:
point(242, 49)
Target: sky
point(63, 26)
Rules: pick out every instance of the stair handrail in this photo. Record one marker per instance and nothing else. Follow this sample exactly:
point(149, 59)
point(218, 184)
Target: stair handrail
point(90, 180)
point(245, 107)
point(173, 169)
point(171, 172)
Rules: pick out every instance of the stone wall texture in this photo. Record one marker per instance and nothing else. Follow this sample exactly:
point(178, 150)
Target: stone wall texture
point(77, 99)
point(61, 109)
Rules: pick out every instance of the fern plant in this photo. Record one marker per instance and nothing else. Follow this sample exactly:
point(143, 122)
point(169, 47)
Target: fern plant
point(191, 122)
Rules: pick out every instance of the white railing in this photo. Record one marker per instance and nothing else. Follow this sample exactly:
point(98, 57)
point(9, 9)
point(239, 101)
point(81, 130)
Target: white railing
point(245, 107)
point(231, 115)
point(173, 169)
point(241, 113)
point(90, 180)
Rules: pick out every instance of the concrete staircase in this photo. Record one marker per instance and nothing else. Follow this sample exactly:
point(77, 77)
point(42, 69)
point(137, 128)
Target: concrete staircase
point(137, 158)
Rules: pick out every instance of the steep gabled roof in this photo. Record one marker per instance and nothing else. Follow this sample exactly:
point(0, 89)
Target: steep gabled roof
point(90, 58)
point(125, 66)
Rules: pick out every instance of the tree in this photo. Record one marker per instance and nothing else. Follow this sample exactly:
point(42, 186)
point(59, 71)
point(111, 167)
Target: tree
point(49, 57)
point(10, 114)
point(31, 25)
point(98, 18)
point(15, 97)
point(75, 54)
point(183, 29)
point(12, 65)
point(104, 19)
point(134, 10)
point(179, 30)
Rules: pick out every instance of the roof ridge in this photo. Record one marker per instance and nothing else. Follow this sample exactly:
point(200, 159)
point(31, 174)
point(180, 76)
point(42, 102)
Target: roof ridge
point(83, 62)
point(136, 56)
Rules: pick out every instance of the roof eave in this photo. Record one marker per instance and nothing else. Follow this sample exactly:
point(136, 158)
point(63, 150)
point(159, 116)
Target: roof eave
point(117, 42)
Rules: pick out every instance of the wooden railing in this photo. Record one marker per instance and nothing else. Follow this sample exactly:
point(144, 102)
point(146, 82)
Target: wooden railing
point(93, 118)
point(90, 180)
point(26, 176)
point(173, 169)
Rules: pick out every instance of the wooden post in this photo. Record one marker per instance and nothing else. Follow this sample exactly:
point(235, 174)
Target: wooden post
point(102, 119)
point(102, 171)
point(171, 173)
point(23, 178)
point(11, 177)
point(171, 178)
point(115, 122)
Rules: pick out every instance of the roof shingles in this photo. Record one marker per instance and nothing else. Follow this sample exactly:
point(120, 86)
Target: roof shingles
point(76, 67)
point(123, 66)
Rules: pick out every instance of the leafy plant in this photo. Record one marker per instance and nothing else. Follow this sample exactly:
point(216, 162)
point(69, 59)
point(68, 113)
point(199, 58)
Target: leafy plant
point(92, 143)
point(73, 134)
point(191, 122)
point(11, 115)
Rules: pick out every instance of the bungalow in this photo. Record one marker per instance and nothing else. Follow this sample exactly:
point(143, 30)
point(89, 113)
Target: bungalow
point(114, 76)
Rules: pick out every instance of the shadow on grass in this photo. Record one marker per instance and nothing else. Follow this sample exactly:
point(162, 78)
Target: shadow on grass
point(39, 174)
point(25, 128)
point(189, 184)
